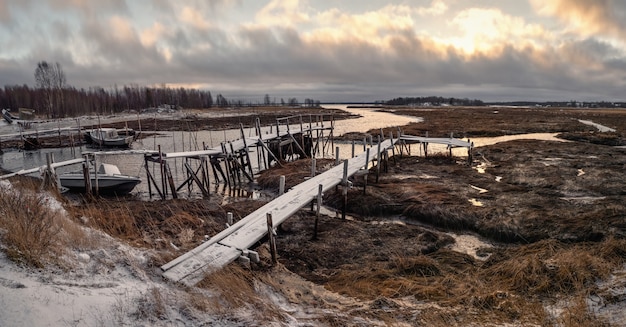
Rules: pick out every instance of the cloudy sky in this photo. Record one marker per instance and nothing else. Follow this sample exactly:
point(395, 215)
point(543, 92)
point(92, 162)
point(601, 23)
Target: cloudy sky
point(326, 50)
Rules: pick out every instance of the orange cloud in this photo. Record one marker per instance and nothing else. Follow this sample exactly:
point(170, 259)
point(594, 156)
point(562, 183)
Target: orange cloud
point(588, 17)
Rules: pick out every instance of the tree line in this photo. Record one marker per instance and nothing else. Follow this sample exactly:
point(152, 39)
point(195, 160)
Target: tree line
point(433, 100)
point(54, 98)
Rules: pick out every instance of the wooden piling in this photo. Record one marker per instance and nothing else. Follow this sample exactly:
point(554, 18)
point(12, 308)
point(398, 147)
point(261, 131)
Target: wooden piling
point(272, 238)
point(317, 212)
point(378, 159)
point(281, 185)
point(344, 182)
point(87, 175)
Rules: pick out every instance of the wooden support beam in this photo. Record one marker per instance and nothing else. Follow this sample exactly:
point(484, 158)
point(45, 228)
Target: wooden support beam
point(195, 178)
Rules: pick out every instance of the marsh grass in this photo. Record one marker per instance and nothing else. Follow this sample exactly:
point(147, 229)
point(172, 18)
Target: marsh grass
point(32, 231)
point(237, 288)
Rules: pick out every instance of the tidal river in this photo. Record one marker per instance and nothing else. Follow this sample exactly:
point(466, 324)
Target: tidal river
point(132, 164)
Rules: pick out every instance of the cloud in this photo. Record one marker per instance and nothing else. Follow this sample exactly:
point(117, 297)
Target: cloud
point(305, 49)
point(588, 17)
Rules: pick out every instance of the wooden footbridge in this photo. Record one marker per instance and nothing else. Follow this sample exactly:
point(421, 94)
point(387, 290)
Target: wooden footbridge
point(234, 241)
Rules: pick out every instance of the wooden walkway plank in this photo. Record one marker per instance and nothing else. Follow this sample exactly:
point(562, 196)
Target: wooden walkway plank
point(446, 141)
point(249, 230)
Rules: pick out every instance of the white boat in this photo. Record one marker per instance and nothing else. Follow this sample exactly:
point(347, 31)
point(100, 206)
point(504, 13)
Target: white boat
point(109, 178)
point(110, 137)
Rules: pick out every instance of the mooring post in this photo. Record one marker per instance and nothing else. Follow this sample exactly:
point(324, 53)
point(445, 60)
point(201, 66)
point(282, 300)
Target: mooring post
point(281, 185)
point(313, 167)
point(344, 182)
point(317, 212)
point(86, 175)
point(272, 238)
point(364, 144)
point(336, 156)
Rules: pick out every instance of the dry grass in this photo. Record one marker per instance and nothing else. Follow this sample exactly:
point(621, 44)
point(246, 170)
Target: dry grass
point(32, 231)
point(237, 288)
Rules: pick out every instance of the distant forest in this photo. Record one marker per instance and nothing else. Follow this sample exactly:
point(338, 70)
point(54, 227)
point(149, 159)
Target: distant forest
point(441, 101)
point(433, 101)
point(54, 98)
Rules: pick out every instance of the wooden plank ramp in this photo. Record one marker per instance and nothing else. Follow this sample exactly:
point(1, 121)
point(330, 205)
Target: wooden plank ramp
point(229, 244)
point(437, 140)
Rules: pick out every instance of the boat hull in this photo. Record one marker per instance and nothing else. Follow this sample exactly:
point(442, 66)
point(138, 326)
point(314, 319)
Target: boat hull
point(107, 185)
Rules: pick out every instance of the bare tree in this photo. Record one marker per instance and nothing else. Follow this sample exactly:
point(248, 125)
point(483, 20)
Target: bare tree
point(51, 80)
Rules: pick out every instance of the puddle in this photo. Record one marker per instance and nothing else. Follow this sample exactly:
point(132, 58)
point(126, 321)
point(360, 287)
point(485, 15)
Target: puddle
point(470, 245)
point(481, 168)
point(601, 128)
point(421, 176)
point(475, 202)
point(480, 190)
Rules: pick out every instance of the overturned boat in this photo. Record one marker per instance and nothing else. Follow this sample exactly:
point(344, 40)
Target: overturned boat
point(108, 178)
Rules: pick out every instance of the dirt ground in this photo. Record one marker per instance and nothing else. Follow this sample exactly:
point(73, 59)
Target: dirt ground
point(549, 219)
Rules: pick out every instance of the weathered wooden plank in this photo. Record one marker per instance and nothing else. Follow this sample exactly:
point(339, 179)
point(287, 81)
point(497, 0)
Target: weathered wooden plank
point(192, 270)
point(436, 140)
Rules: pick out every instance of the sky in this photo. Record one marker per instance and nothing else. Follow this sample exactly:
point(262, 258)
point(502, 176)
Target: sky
point(348, 51)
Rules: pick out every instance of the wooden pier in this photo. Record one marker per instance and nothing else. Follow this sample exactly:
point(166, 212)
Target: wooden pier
point(231, 243)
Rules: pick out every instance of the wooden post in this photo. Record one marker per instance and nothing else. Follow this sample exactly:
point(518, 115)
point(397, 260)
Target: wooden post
point(344, 182)
point(95, 171)
point(281, 185)
point(272, 239)
point(336, 156)
point(229, 219)
point(162, 170)
point(86, 175)
point(170, 179)
point(378, 159)
point(393, 147)
point(313, 167)
point(352, 149)
point(59, 130)
point(317, 213)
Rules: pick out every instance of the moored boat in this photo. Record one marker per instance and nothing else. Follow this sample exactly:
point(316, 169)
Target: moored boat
point(109, 137)
point(108, 178)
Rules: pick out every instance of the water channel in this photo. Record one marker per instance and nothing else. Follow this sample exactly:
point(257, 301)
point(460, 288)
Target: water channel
point(133, 164)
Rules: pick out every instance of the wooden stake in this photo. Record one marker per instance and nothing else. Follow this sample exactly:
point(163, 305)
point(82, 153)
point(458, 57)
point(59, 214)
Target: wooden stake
point(272, 238)
point(345, 189)
point(281, 185)
point(317, 213)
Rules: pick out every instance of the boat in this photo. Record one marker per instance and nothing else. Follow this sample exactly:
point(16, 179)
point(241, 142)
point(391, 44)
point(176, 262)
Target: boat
point(6, 114)
point(109, 137)
point(110, 181)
